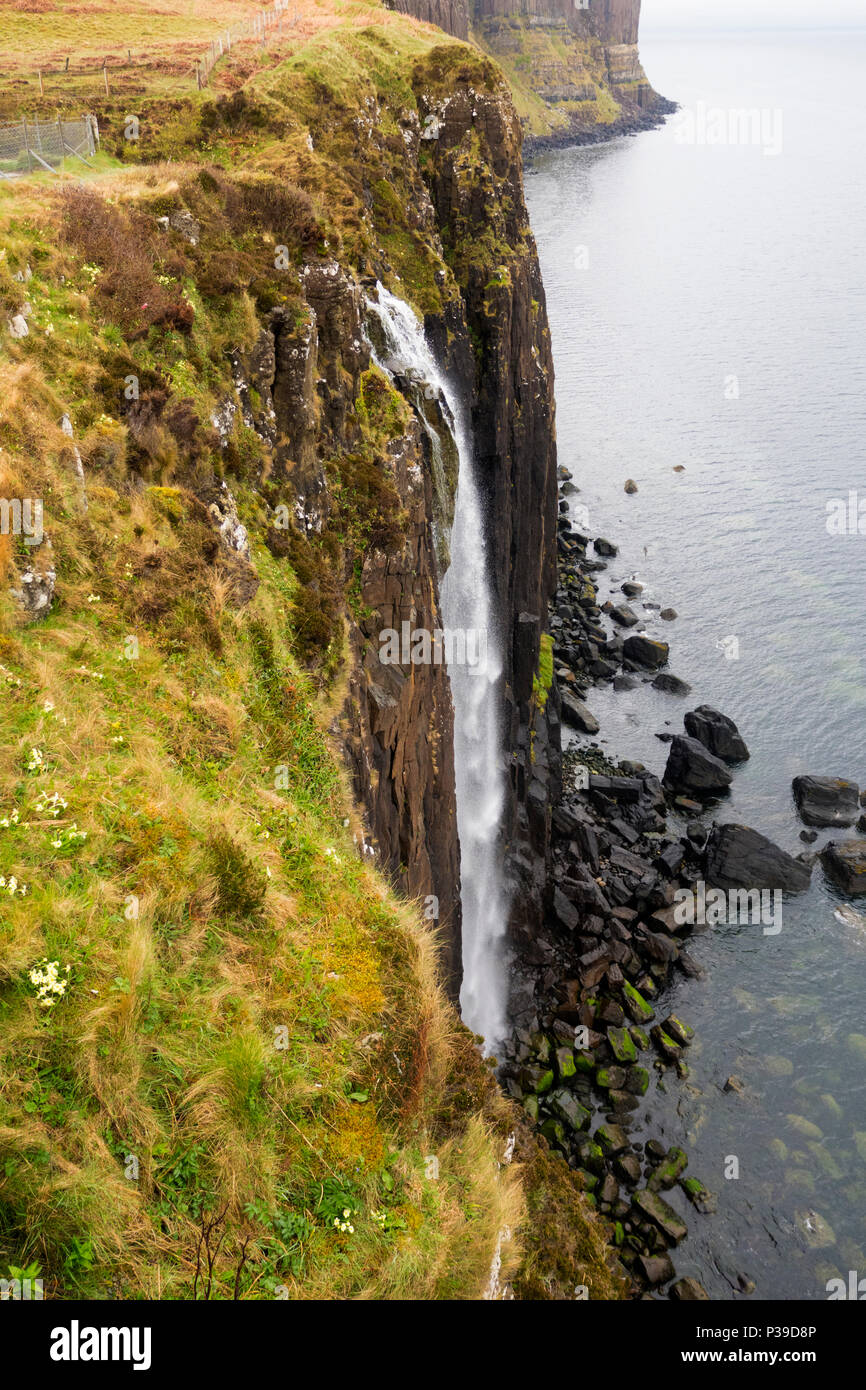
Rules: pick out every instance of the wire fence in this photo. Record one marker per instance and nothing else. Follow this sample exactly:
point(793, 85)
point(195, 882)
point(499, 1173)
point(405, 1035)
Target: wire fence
point(31, 144)
point(259, 27)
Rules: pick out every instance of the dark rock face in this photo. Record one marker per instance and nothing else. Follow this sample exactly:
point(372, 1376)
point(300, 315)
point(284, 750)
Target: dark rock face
point(845, 863)
point(509, 388)
point(450, 15)
point(400, 741)
point(739, 857)
point(826, 801)
point(397, 726)
point(694, 771)
point(717, 733)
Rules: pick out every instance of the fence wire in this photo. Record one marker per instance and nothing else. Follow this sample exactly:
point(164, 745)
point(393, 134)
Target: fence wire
point(29, 144)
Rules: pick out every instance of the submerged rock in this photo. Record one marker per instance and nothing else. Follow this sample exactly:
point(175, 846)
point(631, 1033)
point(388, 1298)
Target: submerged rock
point(670, 684)
point(818, 1232)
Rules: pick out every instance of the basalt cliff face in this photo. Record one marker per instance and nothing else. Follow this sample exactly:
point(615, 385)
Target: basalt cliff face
point(574, 68)
point(476, 187)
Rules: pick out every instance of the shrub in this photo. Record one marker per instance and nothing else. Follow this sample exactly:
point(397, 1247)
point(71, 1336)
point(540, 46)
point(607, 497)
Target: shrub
point(120, 244)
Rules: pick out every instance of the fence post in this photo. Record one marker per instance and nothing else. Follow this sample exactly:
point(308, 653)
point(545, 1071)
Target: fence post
point(62, 141)
point(105, 78)
point(41, 86)
point(27, 145)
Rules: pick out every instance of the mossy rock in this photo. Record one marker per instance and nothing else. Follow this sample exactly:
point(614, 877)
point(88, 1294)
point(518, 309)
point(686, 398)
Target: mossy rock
point(544, 1082)
point(568, 1108)
point(553, 1132)
point(565, 1065)
point(667, 1172)
point(679, 1031)
point(610, 1078)
point(700, 1197)
point(622, 1045)
point(636, 1006)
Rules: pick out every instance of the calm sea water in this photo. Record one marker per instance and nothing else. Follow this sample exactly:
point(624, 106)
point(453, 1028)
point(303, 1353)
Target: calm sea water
point(707, 310)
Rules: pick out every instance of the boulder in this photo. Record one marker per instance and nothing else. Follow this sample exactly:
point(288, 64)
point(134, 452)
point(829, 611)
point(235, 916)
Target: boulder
point(845, 863)
point(824, 801)
point(657, 1210)
point(568, 1109)
point(565, 912)
point(716, 732)
point(575, 712)
point(693, 769)
point(738, 857)
point(689, 1291)
point(605, 547)
point(643, 651)
point(624, 615)
point(656, 1269)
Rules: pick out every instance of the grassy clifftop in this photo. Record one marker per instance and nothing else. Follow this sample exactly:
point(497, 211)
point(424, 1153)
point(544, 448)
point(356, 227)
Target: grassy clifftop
point(223, 1046)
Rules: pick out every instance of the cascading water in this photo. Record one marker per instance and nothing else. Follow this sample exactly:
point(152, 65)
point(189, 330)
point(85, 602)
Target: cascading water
point(467, 608)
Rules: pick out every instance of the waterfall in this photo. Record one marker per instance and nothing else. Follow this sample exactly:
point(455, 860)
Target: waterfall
point(467, 608)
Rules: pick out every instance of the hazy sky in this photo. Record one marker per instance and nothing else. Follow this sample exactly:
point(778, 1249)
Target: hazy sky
point(750, 14)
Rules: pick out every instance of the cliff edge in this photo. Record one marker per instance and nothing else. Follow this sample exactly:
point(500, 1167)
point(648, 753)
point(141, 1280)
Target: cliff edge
point(573, 65)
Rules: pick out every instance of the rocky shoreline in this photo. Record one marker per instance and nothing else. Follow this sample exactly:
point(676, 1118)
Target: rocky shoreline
point(628, 124)
point(627, 849)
